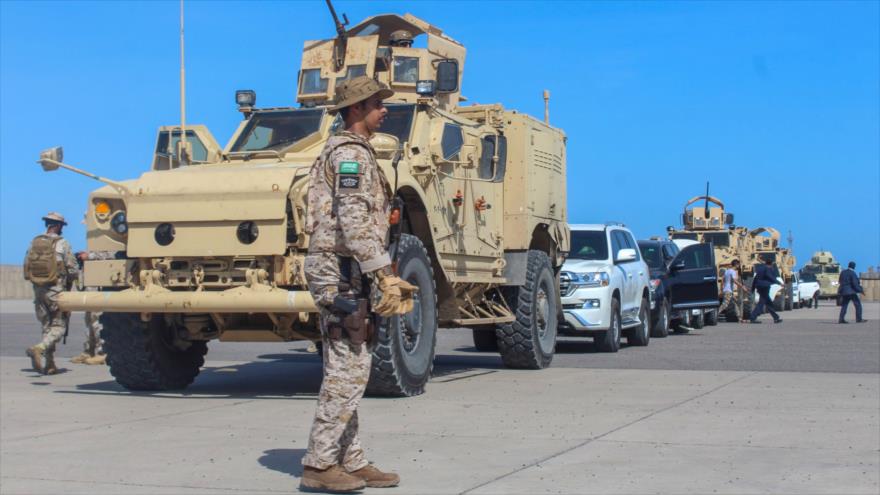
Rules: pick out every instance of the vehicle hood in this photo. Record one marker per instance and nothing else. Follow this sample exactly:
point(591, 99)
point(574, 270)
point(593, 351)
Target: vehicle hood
point(583, 266)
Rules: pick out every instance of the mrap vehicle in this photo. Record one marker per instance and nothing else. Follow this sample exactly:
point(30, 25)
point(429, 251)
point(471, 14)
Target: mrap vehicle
point(209, 244)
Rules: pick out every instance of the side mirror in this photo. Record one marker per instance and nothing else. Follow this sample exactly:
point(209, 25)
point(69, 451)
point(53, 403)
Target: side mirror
point(677, 266)
point(386, 145)
point(625, 255)
point(728, 218)
point(50, 158)
point(447, 76)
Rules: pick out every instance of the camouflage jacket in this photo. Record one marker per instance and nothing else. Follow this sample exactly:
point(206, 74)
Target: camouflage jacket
point(349, 202)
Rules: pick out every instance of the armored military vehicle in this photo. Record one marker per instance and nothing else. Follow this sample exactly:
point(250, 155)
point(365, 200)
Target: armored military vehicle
point(826, 270)
point(210, 244)
point(766, 241)
point(709, 223)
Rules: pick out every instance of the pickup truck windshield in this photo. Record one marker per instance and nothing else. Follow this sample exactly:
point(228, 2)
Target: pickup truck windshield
point(588, 245)
point(279, 129)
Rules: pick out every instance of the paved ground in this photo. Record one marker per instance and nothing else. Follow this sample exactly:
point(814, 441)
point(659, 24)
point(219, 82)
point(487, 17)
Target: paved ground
point(791, 408)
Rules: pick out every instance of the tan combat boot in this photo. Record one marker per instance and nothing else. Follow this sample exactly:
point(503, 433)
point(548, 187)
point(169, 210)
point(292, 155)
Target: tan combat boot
point(81, 358)
point(51, 369)
point(375, 478)
point(36, 355)
point(99, 359)
point(332, 479)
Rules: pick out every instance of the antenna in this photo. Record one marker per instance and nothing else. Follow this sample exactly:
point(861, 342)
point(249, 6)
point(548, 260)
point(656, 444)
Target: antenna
point(706, 204)
point(790, 240)
point(546, 106)
point(182, 145)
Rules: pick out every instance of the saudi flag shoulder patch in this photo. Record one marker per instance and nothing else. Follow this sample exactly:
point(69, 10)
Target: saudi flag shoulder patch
point(349, 168)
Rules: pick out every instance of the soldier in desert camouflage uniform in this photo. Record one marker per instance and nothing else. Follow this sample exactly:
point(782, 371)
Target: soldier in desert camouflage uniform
point(348, 208)
point(52, 319)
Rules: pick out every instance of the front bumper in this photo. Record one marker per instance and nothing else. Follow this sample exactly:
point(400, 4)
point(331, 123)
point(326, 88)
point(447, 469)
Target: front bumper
point(579, 319)
point(263, 299)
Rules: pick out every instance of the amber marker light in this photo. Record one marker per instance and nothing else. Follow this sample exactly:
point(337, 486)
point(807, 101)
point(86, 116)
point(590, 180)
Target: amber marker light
point(102, 210)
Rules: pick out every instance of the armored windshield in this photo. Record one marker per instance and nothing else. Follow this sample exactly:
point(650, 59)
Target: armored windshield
point(588, 245)
point(279, 129)
point(682, 235)
point(717, 239)
point(831, 269)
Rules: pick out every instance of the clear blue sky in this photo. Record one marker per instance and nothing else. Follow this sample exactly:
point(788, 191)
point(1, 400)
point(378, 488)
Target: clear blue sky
point(775, 103)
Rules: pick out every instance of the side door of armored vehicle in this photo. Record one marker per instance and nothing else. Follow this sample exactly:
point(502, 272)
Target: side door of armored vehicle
point(692, 278)
point(203, 147)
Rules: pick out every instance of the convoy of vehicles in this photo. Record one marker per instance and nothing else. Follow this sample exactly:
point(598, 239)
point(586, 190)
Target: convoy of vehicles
point(484, 231)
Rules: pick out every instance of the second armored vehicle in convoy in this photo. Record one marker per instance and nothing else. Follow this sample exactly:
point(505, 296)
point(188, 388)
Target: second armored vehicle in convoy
point(210, 243)
point(709, 223)
point(825, 270)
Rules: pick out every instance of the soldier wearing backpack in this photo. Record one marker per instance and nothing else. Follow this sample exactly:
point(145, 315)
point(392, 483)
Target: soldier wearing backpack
point(51, 266)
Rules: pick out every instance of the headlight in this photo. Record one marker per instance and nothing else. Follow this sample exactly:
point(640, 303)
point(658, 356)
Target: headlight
point(595, 279)
point(591, 304)
point(119, 223)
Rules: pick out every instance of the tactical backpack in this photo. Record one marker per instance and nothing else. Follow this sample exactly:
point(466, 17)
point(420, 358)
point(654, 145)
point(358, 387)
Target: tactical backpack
point(41, 266)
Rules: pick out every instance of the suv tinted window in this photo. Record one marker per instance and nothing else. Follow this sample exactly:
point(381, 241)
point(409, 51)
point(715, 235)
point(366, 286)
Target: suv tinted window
point(588, 245)
point(696, 256)
point(653, 254)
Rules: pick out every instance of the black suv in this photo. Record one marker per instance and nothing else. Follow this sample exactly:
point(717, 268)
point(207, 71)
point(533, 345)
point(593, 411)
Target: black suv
point(684, 285)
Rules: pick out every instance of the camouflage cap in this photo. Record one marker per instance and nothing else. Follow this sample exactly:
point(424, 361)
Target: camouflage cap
point(54, 217)
point(400, 36)
point(358, 89)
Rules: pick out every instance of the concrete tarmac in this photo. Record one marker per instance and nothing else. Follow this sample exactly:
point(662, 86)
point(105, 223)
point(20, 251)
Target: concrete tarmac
point(790, 408)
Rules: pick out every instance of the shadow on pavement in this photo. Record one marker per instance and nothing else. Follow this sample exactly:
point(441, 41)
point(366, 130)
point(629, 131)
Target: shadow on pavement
point(287, 461)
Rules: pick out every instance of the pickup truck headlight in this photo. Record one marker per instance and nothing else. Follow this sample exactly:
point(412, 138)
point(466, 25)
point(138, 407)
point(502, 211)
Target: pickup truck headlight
point(594, 279)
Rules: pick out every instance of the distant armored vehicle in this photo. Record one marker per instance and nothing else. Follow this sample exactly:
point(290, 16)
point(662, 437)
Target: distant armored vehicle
point(766, 241)
point(826, 271)
point(709, 223)
point(210, 242)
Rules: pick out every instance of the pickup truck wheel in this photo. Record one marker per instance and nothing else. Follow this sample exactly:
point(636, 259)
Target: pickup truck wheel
point(404, 354)
point(609, 340)
point(641, 334)
point(699, 321)
point(660, 327)
point(530, 341)
point(485, 340)
point(711, 318)
point(142, 355)
point(779, 301)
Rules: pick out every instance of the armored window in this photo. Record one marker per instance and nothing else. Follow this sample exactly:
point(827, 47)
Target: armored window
point(719, 240)
point(311, 82)
point(489, 169)
point(351, 72)
point(169, 150)
point(406, 70)
point(398, 121)
point(451, 142)
point(277, 130)
point(682, 235)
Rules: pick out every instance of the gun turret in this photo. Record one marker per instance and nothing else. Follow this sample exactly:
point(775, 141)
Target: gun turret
point(339, 46)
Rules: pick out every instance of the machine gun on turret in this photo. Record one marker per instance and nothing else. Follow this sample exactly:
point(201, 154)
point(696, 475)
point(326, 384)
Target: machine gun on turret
point(339, 46)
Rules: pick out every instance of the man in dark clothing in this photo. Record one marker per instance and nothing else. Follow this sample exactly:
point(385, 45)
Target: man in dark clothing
point(765, 276)
point(849, 288)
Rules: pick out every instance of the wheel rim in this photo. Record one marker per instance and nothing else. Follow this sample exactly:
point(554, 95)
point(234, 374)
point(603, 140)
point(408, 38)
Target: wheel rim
point(664, 316)
point(643, 315)
point(412, 326)
point(544, 314)
point(616, 326)
point(542, 307)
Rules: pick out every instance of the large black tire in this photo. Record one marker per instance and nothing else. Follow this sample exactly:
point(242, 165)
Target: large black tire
point(141, 355)
point(641, 335)
point(404, 355)
point(711, 318)
point(530, 341)
point(660, 326)
point(485, 340)
point(609, 340)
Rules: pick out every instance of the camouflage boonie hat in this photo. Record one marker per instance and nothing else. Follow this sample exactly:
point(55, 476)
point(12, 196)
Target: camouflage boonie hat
point(54, 217)
point(356, 90)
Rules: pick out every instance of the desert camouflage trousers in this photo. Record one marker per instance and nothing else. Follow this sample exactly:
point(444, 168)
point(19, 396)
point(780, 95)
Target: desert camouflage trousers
point(334, 436)
point(729, 300)
point(53, 321)
point(93, 345)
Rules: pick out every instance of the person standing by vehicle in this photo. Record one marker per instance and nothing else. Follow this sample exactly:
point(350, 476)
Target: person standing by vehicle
point(51, 267)
point(765, 277)
point(731, 279)
point(93, 348)
point(348, 222)
point(849, 288)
